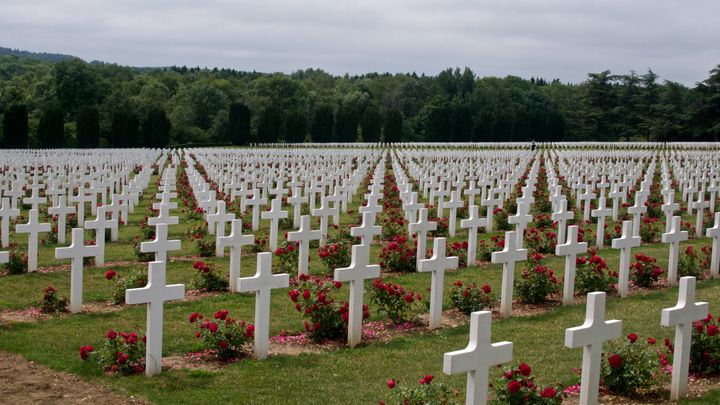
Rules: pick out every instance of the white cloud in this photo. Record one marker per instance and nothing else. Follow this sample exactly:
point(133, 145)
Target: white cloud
point(552, 38)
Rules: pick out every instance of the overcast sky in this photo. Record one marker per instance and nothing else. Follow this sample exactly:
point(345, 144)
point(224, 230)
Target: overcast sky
point(565, 39)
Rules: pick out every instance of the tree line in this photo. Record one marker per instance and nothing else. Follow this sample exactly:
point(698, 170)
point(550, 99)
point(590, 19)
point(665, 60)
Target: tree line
point(70, 103)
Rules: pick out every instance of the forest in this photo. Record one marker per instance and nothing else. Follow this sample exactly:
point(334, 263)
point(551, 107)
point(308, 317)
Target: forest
point(67, 102)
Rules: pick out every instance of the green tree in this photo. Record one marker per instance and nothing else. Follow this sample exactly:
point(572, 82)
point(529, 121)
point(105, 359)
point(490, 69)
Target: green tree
point(295, 126)
point(205, 101)
point(76, 84)
point(270, 125)
point(393, 125)
point(51, 128)
point(156, 129)
point(124, 129)
point(88, 127)
point(239, 124)
point(323, 122)
point(371, 123)
point(15, 127)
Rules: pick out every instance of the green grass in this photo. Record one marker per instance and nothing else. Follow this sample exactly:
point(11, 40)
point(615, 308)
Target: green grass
point(334, 377)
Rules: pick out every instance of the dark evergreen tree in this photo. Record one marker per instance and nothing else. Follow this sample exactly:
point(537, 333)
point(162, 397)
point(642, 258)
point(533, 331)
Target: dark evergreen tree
point(88, 127)
point(371, 124)
point(239, 124)
point(270, 125)
point(346, 124)
point(295, 127)
point(15, 127)
point(323, 122)
point(393, 125)
point(124, 129)
point(156, 129)
point(51, 128)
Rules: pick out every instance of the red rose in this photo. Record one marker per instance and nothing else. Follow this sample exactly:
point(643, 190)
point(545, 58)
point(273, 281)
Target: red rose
point(524, 369)
point(306, 294)
point(85, 352)
point(223, 344)
point(615, 361)
point(712, 330)
point(487, 289)
point(548, 392)
point(221, 314)
point(194, 317)
point(632, 337)
point(250, 331)
point(110, 274)
point(651, 341)
point(391, 383)
point(427, 379)
point(111, 334)
point(514, 387)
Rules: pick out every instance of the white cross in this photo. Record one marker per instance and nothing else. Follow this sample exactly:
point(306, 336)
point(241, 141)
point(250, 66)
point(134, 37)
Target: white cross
point(35, 200)
point(217, 222)
point(77, 251)
point(119, 212)
point(304, 235)
point(61, 210)
point(411, 208)
point(674, 237)
point(81, 198)
point(160, 245)
point(668, 209)
point(372, 205)
point(367, 230)
point(714, 233)
point(616, 195)
point(99, 224)
point(570, 249)
point(587, 196)
point(154, 294)
point(591, 335)
point(600, 213)
point(625, 243)
point(164, 216)
point(637, 210)
point(700, 206)
point(682, 316)
point(256, 201)
point(275, 215)
point(262, 283)
point(520, 220)
point(297, 200)
point(561, 217)
point(437, 265)
point(32, 228)
point(490, 202)
point(421, 229)
point(455, 202)
point(235, 242)
point(477, 358)
point(508, 256)
point(358, 271)
point(6, 213)
point(472, 224)
point(324, 213)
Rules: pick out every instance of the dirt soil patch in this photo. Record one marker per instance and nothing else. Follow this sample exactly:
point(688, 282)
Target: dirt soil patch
point(26, 382)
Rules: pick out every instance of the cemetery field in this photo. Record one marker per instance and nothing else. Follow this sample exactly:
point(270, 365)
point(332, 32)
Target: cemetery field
point(387, 184)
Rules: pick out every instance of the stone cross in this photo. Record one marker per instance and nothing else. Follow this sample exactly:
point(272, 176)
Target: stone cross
point(637, 210)
point(625, 243)
point(570, 249)
point(6, 213)
point(154, 294)
point(437, 265)
point(412, 207)
point(358, 271)
point(668, 209)
point(33, 227)
point(61, 210)
point(714, 233)
point(508, 256)
point(81, 198)
point(76, 252)
point(255, 202)
point(455, 202)
point(590, 336)
point(324, 213)
point(615, 194)
point(297, 200)
point(235, 242)
point(35, 200)
point(600, 213)
point(160, 245)
point(274, 215)
point(217, 222)
point(561, 217)
point(303, 236)
point(367, 230)
point(472, 224)
point(119, 212)
point(521, 219)
point(100, 224)
point(587, 196)
point(421, 229)
point(682, 316)
point(490, 202)
point(262, 283)
point(700, 206)
point(477, 358)
point(164, 216)
point(674, 237)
